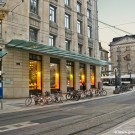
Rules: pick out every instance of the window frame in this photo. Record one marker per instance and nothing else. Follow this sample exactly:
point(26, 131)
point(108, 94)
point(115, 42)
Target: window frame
point(67, 44)
point(67, 21)
point(67, 2)
point(33, 34)
point(32, 6)
point(88, 13)
point(52, 39)
point(79, 26)
point(78, 7)
point(80, 48)
point(52, 13)
point(89, 32)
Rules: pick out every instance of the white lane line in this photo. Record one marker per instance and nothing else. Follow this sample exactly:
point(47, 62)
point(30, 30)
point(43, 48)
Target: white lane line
point(17, 126)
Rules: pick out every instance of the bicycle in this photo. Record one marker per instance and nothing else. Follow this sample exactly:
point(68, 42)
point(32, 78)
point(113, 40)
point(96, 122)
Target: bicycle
point(100, 92)
point(38, 99)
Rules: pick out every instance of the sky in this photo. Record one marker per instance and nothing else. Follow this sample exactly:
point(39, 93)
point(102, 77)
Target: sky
point(118, 13)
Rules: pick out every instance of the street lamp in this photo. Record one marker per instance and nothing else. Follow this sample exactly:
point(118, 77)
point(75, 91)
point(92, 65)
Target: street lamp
point(116, 84)
point(130, 77)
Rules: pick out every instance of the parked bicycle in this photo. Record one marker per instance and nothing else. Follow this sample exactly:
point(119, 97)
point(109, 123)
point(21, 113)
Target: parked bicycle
point(37, 99)
point(100, 92)
point(73, 94)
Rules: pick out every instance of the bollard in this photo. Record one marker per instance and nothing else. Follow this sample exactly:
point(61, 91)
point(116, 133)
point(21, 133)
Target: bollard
point(1, 102)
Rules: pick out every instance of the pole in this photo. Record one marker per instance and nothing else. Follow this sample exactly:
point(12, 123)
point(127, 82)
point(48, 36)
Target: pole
point(130, 79)
point(115, 78)
point(119, 64)
point(1, 102)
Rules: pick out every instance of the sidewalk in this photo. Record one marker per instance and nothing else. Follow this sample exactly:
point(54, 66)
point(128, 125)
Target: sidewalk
point(125, 128)
point(12, 105)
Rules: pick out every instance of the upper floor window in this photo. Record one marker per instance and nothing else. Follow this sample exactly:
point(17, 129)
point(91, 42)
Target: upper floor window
point(79, 48)
point(78, 7)
point(90, 52)
point(89, 32)
point(52, 40)
point(67, 21)
point(67, 2)
point(88, 13)
point(79, 26)
point(52, 14)
point(34, 6)
point(33, 34)
point(0, 29)
point(67, 43)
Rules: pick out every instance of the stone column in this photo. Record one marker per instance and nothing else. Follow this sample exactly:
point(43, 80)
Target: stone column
point(63, 75)
point(87, 76)
point(76, 76)
point(45, 74)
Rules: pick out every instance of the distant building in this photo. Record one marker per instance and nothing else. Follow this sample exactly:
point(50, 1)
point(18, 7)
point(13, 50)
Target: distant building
point(126, 45)
point(104, 56)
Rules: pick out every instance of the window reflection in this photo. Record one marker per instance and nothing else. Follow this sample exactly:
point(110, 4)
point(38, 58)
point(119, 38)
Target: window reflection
point(54, 76)
point(70, 75)
point(35, 84)
point(34, 75)
point(82, 76)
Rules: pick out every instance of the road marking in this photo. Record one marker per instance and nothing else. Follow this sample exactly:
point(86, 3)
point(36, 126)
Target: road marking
point(17, 126)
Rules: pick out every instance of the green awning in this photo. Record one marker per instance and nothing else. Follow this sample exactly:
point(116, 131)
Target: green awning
point(2, 54)
point(45, 49)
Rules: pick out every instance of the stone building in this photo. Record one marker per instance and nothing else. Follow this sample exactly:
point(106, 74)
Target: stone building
point(104, 56)
point(125, 48)
point(51, 45)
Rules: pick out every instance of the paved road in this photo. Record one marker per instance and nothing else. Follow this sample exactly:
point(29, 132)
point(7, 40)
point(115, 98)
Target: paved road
point(83, 118)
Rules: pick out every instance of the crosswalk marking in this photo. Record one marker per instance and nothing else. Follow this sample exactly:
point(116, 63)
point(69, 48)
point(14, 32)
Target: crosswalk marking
point(17, 126)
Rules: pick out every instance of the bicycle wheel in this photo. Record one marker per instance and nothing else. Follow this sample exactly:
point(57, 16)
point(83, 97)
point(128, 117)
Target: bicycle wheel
point(104, 93)
point(68, 96)
point(28, 101)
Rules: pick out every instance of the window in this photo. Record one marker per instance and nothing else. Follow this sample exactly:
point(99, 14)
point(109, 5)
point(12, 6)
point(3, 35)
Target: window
point(51, 40)
point(67, 21)
point(89, 32)
point(67, 2)
point(52, 14)
point(0, 29)
point(82, 76)
point(34, 6)
point(70, 75)
point(79, 48)
point(78, 7)
point(88, 13)
point(33, 34)
point(54, 74)
point(35, 62)
point(90, 51)
point(67, 43)
point(79, 26)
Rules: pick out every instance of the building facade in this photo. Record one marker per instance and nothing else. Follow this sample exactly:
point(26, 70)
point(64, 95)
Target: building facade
point(122, 50)
point(51, 45)
point(104, 56)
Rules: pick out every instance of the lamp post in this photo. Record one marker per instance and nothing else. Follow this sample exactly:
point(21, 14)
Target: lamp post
point(130, 77)
point(116, 84)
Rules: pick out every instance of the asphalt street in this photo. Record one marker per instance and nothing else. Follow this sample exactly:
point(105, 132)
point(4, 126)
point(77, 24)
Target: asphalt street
point(90, 117)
